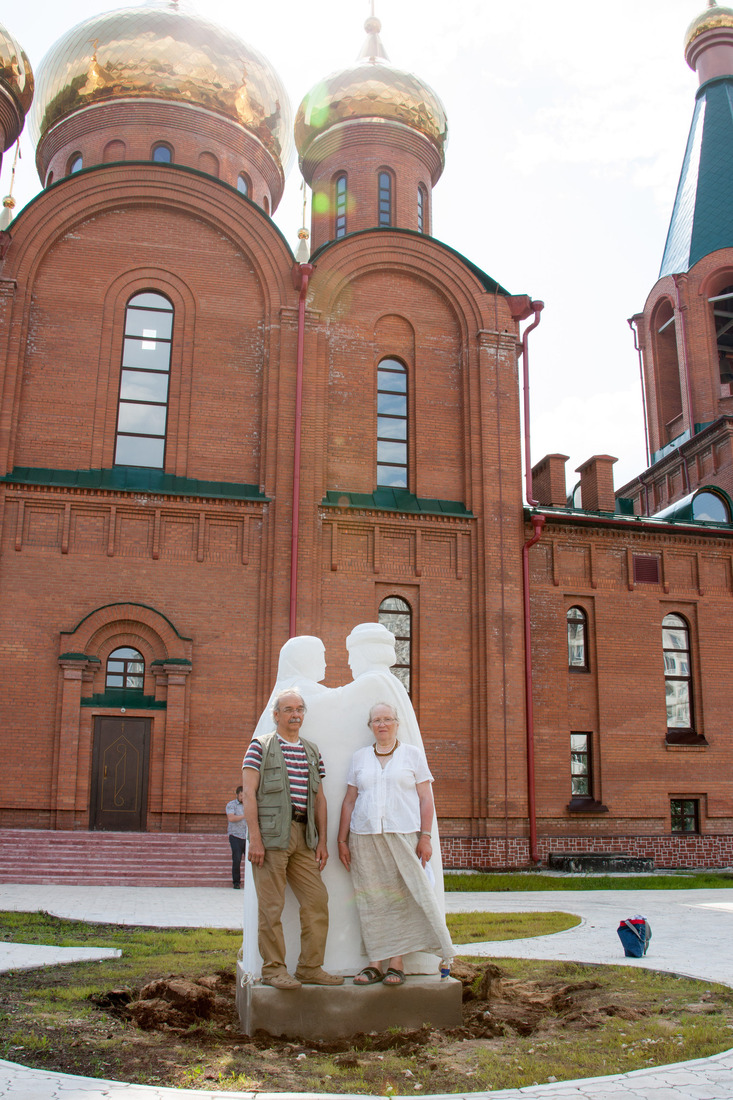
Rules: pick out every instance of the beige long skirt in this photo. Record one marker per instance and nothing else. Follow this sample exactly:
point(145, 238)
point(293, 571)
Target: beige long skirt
point(398, 910)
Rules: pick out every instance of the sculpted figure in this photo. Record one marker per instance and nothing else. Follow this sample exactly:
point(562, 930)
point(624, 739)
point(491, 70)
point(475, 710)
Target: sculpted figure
point(337, 720)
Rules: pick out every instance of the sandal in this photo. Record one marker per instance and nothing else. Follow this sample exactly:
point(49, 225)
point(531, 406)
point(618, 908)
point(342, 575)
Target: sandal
point(397, 976)
point(369, 975)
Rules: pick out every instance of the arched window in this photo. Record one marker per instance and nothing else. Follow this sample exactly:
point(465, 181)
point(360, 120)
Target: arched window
point(385, 198)
point(243, 185)
point(677, 672)
point(722, 304)
point(266, 204)
point(76, 163)
point(422, 208)
point(162, 153)
point(340, 205)
point(577, 621)
point(710, 507)
point(49, 179)
point(392, 424)
point(125, 670)
point(667, 365)
point(143, 404)
point(396, 614)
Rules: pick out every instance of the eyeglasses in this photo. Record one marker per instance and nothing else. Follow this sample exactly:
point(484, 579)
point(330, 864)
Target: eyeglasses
point(382, 721)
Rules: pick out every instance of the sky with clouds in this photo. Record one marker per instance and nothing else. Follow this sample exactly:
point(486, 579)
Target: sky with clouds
point(567, 124)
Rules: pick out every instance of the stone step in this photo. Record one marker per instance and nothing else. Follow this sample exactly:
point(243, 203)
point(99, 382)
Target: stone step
point(121, 859)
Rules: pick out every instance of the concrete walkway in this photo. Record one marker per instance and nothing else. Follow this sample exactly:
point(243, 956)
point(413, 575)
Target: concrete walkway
point(692, 934)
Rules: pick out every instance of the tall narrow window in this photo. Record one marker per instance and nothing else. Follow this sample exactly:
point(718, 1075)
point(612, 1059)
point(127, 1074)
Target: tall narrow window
point(76, 163)
point(677, 672)
point(580, 772)
point(385, 199)
point(125, 670)
point(577, 639)
point(162, 154)
point(723, 316)
point(243, 184)
point(422, 208)
point(392, 424)
point(340, 206)
point(396, 614)
point(146, 357)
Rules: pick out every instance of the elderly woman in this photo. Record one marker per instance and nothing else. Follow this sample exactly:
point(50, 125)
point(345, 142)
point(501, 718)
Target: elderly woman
point(384, 840)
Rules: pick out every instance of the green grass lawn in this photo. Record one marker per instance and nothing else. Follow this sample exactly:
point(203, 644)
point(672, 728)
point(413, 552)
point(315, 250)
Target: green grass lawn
point(536, 880)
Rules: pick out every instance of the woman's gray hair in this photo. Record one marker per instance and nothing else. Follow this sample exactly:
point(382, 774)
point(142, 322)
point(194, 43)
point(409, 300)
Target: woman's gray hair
point(389, 706)
point(281, 695)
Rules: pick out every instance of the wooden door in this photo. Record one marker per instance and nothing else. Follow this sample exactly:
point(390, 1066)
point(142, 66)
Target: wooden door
point(120, 774)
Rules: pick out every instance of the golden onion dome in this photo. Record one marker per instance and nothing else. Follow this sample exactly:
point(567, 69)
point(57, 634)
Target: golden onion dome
point(161, 50)
point(371, 89)
point(16, 75)
point(710, 20)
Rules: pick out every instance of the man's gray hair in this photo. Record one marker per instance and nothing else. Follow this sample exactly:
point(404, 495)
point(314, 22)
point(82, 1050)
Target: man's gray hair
point(389, 706)
point(281, 695)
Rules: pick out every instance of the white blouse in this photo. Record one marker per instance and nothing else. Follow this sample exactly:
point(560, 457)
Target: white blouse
point(387, 800)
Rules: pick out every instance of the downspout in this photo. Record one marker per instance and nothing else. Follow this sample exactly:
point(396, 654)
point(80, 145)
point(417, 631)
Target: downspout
point(538, 522)
point(685, 366)
point(631, 322)
point(301, 278)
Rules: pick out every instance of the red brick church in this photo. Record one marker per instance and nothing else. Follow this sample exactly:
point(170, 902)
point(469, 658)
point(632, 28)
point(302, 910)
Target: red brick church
point(209, 444)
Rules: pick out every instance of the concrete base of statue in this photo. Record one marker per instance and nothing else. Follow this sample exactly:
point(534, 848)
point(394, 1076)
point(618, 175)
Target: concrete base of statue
point(335, 1012)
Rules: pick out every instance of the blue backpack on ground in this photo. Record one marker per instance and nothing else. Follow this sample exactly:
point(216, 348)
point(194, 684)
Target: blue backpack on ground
point(635, 934)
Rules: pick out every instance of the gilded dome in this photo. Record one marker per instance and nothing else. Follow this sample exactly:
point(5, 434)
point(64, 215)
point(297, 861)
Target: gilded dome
point(161, 50)
point(709, 20)
point(16, 75)
point(373, 88)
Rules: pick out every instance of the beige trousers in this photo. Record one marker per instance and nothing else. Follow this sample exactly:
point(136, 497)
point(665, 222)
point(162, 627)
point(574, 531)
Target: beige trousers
point(297, 867)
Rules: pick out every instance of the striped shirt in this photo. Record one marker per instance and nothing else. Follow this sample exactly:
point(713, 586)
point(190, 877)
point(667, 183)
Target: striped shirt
point(296, 763)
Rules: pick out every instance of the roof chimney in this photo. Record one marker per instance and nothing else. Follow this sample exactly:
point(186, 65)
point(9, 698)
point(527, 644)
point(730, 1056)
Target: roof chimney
point(548, 481)
point(596, 484)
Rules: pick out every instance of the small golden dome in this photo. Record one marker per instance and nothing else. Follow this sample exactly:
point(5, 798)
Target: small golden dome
point(710, 19)
point(373, 88)
point(161, 51)
point(16, 75)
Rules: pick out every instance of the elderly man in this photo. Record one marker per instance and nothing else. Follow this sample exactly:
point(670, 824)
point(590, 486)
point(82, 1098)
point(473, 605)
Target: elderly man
point(285, 808)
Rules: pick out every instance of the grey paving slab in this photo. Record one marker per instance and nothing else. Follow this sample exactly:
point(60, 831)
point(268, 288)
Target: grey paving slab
point(27, 956)
point(691, 935)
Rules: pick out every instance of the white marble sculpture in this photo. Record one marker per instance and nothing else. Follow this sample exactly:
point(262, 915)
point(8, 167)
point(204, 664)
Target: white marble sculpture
point(336, 720)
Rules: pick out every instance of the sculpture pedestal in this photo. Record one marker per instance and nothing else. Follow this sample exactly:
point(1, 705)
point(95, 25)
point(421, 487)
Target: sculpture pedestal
point(334, 1012)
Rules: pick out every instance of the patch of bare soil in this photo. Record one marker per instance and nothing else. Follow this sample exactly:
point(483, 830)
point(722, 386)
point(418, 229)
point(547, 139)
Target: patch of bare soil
point(186, 1033)
point(493, 1004)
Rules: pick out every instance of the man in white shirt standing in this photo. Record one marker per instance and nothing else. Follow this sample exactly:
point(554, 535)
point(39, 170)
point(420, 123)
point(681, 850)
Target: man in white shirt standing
point(237, 833)
point(285, 809)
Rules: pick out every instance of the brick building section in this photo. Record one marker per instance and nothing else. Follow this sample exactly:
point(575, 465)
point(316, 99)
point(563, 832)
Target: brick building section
point(190, 565)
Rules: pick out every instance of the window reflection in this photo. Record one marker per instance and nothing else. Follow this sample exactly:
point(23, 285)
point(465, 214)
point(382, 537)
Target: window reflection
point(125, 670)
point(577, 642)
point(143, 403)
point(396, 614)
point(392, 424)
point(677, 674)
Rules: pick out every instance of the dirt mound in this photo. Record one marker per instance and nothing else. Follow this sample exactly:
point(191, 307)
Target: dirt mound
point(493, 1005)
point(176, 1004)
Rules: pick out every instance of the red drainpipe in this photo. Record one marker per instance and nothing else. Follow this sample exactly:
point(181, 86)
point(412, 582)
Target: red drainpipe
point(301, 277)
point(538, 522)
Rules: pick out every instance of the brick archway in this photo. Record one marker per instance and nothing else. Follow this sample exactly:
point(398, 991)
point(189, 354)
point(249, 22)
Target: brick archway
point(82, 658)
